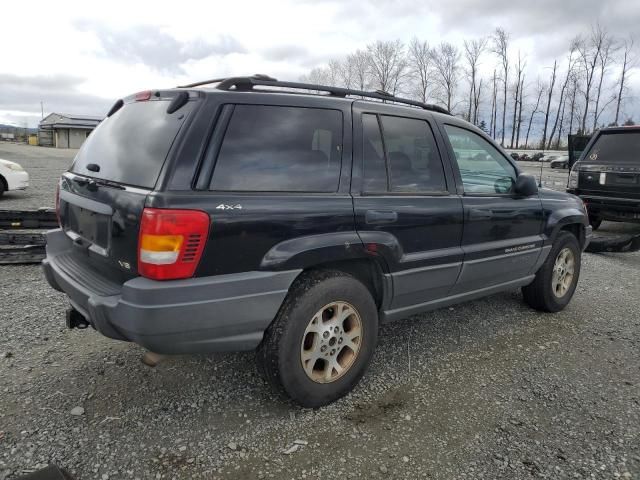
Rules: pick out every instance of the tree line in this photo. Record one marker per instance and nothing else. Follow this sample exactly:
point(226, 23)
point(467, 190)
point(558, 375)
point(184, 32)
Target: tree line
point(584, 91)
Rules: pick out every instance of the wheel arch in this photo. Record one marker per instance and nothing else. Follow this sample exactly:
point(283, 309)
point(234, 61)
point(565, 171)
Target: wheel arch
point(369, 271)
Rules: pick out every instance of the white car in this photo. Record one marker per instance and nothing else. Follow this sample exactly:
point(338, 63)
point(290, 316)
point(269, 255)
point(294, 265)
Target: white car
point(12, 176)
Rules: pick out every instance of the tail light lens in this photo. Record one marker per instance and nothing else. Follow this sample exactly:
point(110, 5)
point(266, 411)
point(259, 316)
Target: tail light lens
point(171, 242)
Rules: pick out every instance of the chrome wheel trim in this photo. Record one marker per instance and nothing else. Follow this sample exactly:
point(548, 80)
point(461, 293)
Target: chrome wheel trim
point(563, 272)
point(331, 342)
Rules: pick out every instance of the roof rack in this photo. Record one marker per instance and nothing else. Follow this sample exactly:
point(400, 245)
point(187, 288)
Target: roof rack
point(247, 84)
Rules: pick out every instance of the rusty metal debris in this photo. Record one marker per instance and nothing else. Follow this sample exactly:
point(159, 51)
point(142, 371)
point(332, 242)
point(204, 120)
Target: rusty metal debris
point(22, 234)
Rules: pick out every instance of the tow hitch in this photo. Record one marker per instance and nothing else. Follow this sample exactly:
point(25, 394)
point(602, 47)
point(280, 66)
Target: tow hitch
point(76, 320)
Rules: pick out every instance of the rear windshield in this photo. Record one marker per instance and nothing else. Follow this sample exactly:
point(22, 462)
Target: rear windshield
point(620, 147)
point(131, 146)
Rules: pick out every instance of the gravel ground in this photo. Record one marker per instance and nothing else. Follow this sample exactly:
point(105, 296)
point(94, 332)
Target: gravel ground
point(485, 390)
point(45, 165)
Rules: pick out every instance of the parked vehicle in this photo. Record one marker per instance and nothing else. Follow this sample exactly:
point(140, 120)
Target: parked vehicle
point(607, 175)
point(12, 177)
point(241, 218)
point(515, 156)
point(559, 162)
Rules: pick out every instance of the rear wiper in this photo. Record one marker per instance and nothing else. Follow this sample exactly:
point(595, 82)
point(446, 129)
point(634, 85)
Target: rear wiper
point(109, 183)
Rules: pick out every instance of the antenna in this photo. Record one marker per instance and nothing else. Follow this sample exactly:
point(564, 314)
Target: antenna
point(541, 165)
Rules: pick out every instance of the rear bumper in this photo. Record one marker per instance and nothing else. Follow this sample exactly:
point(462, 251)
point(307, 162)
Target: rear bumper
point(613, 208)
point(196, 315)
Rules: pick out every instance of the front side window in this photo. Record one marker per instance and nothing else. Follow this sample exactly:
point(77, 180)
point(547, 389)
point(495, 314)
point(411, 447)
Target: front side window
point(280, 149)
point(407, 161)
point(482, 167)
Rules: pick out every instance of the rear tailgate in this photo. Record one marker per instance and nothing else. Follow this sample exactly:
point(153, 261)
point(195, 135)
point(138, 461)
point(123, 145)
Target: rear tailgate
point(104, 193)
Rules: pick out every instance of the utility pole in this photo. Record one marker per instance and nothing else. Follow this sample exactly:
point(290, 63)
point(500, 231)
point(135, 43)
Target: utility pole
point(41, 109)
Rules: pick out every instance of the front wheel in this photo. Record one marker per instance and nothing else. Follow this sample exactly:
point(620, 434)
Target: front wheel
point(595, 221)
point(322, 340)
point(556, 281)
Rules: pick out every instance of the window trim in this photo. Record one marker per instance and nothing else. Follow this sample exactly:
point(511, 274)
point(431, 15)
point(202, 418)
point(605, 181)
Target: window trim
point(389, 192)
point(456, 167)
point(219, 141)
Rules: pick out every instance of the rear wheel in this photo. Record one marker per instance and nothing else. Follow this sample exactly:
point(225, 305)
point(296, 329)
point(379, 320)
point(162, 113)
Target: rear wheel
point(556, 281)
point(321, 342)
point(3, 187)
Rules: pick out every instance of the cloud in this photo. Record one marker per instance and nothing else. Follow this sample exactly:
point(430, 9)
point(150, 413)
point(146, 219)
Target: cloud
point(149, 45)
point(59, 93)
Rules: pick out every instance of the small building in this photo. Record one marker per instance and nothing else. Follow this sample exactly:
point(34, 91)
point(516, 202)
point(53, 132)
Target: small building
point(65, 131)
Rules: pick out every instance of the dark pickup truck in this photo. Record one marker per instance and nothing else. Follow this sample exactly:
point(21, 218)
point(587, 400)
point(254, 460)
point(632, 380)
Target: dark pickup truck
point(607, 175)
point(293, 219)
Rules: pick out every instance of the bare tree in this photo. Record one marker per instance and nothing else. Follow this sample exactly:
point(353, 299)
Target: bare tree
point(607, 50)
point(561, 102)
point(627, 63)
point(445, 61)
point(318, 76)
point(520, 102)
point(476, 102)
point(388, 65)
point(552, 83)
point(473, 49)
point(588, 54)
point(536, 109)
point(359, 65)
point(501, 48)
point(420, 65)
point(494, 105)
point(519, 70)
point(572, 94)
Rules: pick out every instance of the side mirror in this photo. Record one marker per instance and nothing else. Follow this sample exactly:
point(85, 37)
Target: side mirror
point(525, 186)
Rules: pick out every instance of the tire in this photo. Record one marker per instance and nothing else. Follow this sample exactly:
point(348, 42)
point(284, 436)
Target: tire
point(540, 294)
point(2, 185)
point(280, 355)
point(595, 222)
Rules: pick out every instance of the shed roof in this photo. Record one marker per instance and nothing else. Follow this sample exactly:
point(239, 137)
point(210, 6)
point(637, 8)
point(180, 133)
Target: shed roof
point(63, 120)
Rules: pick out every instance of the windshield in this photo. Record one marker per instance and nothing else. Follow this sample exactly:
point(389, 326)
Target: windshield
point(618, 147)
point(131, 146)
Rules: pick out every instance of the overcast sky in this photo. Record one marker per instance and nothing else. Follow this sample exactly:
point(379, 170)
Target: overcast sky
point(78, 57)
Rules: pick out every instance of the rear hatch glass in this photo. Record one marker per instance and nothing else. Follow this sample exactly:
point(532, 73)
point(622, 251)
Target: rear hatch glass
point(131, 146)
point(618, 147)
point(612, 165)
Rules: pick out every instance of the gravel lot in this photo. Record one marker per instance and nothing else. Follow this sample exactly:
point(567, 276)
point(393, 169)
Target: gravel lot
point(44, 165)
point(488, 389)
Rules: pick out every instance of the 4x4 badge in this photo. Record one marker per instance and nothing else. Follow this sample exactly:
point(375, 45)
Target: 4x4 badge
point(223, 206)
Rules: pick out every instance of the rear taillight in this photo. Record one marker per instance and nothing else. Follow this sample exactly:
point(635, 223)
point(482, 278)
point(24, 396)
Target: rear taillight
point(58, 204)
point(171, 242)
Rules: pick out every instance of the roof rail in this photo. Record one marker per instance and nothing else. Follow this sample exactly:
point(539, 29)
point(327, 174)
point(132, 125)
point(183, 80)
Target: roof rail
point(247, 84)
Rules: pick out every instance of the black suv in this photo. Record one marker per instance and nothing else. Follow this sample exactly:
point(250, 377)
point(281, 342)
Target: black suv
point(294, 219)
point(607, 175)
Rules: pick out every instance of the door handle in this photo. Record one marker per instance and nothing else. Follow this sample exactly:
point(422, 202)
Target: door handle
point(378, 217)
point(480, 214)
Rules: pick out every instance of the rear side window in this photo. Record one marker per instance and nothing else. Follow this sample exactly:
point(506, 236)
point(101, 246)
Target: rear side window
point(131, 146)
point(616, 148)
point(280, 149)
point(408, 161)
point(412, 155)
